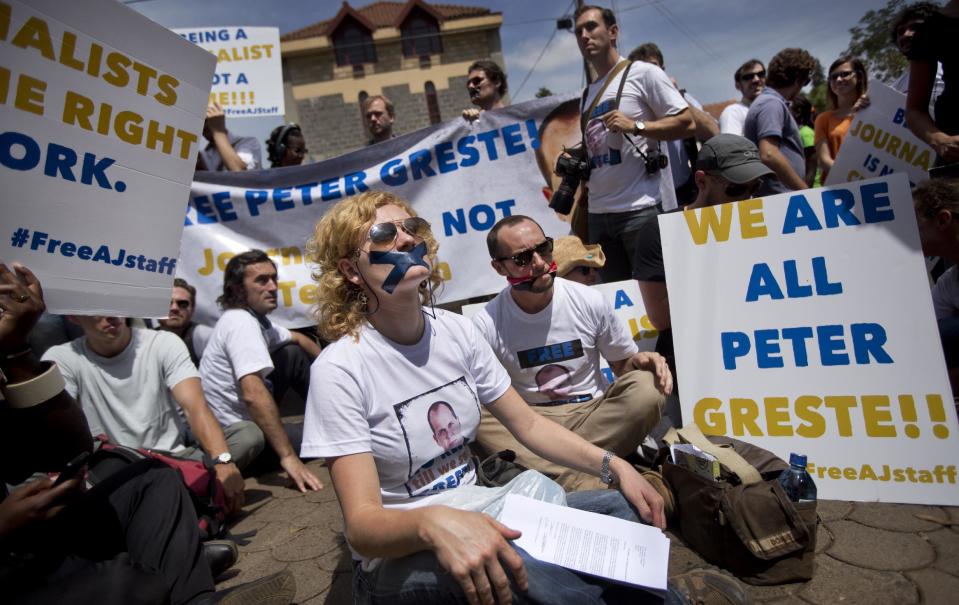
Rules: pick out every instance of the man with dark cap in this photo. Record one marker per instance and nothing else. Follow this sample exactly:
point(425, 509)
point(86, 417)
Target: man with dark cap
point(728, 168)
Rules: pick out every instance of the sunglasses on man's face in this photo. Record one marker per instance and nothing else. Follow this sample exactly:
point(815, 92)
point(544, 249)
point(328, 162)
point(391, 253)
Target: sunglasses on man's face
point(526, 256)
point(734, 190)
point(183, 305)
point(738, 190)
point(749, 77)
point(383, 235)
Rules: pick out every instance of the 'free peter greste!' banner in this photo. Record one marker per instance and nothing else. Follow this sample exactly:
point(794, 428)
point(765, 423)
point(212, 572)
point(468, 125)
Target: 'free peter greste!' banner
point(803, 323)
point(100, 113)
point(461, 176)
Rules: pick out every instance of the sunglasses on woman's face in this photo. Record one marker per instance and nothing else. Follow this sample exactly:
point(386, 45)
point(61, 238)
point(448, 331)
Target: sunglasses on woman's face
point(526, 256)
point(383, 235)
point(841, 75)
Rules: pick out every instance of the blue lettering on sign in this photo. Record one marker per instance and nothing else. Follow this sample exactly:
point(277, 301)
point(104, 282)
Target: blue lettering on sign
point(622, 300)
point(481, 217)
point(20, 152)
point(867, 341)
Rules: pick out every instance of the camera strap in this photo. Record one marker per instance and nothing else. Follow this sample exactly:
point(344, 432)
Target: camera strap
point(584, 115)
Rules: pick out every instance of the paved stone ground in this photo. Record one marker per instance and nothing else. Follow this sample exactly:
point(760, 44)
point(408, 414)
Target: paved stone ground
point(868, 553)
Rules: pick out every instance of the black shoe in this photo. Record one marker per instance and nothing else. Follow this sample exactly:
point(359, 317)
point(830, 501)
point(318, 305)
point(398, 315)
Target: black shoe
point(221, 555)
point(276, 589)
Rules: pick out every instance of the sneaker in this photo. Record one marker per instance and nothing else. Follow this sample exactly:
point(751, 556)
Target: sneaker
point(709, 587)
point(660, 485)
point(275, 589)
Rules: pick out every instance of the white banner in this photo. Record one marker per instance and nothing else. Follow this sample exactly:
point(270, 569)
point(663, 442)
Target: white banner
point(627, 304)
point(100, 124)
point(461, 176)
point(803, 323)
point(879, 143)
point(248, 81)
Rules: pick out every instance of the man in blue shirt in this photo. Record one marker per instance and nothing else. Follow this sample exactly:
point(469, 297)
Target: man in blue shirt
point(773, 129)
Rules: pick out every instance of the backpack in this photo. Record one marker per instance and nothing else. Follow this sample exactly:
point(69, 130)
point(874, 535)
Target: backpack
point(199, 478)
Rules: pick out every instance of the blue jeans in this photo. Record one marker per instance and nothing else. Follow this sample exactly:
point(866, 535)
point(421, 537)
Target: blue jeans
point(419, 578)
point(618, 234)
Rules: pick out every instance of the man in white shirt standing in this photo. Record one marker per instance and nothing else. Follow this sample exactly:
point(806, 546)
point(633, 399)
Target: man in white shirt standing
point(237, 360)
point(623, 140)
point(549, 334)
point(750, 80)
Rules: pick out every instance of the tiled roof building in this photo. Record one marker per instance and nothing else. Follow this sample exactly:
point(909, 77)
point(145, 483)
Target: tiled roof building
point(414, 52)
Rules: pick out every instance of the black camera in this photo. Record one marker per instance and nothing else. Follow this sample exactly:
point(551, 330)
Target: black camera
point(655, 160)
point(573, 166)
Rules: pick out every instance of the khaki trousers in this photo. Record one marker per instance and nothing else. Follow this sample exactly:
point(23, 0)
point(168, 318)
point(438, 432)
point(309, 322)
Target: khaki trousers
point(617, 420)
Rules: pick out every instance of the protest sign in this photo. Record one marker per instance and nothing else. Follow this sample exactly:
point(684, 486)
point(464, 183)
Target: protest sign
point(627, 304)
point(803, 323)
point(248, 81)
point(461, 176)
point(101, 112)
point(879, 143)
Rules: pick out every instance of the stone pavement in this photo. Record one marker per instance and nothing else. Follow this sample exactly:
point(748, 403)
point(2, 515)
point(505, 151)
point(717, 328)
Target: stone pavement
point(868, 553)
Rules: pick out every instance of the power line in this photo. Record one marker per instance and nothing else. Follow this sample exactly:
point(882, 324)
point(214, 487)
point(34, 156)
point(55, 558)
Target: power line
point(541, 53)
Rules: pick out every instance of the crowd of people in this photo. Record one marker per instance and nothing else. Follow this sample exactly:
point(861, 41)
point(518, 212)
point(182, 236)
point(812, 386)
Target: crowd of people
point(405, 395)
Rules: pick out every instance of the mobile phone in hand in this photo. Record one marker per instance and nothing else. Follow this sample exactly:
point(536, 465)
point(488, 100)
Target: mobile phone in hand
point(72, 468)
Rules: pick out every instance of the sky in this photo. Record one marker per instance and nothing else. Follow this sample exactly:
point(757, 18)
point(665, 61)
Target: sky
point(703, 41)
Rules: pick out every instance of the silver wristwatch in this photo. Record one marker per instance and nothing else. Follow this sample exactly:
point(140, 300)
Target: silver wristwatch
point(639, 127)
point(224, 458)
point(604, 475)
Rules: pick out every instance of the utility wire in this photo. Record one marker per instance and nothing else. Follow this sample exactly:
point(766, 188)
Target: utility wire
point(541, 53)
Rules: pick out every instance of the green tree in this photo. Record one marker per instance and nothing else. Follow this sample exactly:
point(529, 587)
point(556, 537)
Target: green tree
point(543, 92)
point(871, 41)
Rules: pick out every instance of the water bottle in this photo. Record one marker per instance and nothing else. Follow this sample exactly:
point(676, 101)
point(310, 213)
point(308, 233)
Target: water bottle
point(796, 482)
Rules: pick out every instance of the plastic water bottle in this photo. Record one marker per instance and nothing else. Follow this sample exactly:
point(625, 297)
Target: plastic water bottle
point(796, 482)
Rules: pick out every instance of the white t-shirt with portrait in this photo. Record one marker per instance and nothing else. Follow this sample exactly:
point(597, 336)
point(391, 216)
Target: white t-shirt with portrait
point(553, 356)
point(240, 345)
point(415, 407)
point(619, 182)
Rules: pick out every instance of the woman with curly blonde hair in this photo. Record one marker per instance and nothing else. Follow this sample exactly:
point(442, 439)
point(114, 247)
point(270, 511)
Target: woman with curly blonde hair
point(343, 305)
point(394, 403)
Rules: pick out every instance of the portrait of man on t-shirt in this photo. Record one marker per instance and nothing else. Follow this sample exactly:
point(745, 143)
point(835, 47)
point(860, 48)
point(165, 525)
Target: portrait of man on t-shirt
point(552, 380)
point(435, 428)
point(445, 425)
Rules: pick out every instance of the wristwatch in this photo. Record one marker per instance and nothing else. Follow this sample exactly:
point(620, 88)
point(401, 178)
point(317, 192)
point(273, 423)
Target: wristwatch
point(224, 458)
point(639, 127)
point(604, 475)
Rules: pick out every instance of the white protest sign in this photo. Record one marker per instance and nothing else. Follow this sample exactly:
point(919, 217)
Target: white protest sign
point(461, 176)
point(248, 81)
point(101, 116)
point(627, 304)
point(803, 323)
point(879, 143)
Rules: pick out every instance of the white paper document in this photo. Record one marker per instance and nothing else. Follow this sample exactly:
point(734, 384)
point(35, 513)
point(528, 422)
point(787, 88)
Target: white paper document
point(603, 546)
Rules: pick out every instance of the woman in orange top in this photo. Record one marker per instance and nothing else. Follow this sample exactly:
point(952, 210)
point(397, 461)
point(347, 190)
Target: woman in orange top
point(847, 94)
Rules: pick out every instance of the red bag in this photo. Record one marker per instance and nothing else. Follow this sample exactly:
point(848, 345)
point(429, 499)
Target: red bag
point(199, 478)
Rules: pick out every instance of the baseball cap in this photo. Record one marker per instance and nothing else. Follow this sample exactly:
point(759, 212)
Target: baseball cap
point(735, 158)
point(569, 252)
